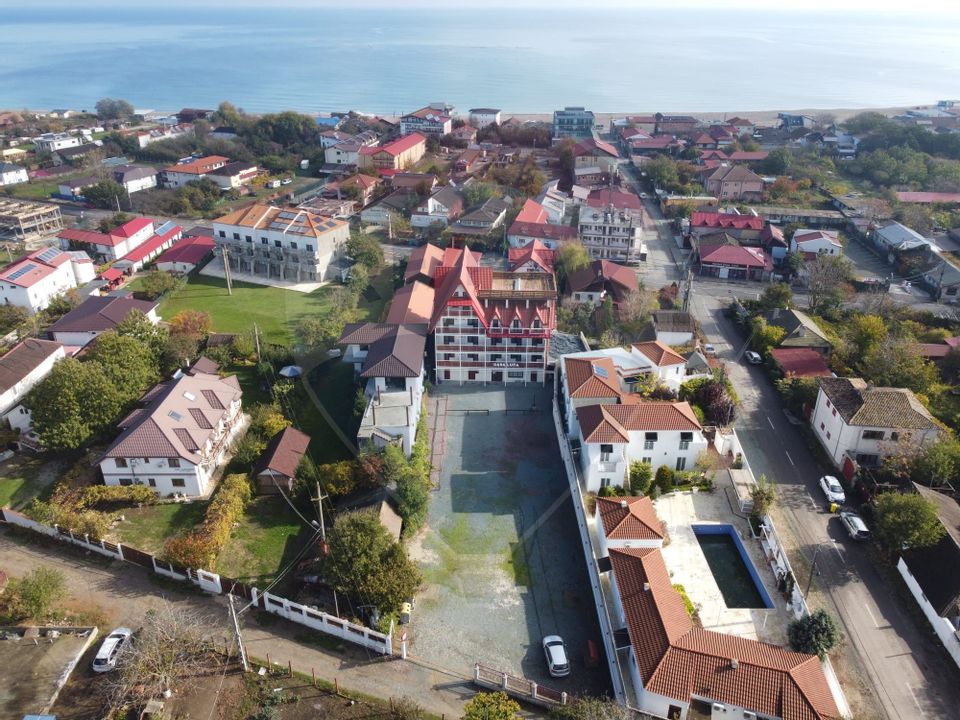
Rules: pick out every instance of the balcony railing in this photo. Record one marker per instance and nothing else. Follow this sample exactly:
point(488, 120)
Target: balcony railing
point(607, 467)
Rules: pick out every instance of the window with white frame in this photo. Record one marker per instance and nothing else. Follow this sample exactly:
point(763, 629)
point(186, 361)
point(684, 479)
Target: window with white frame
point(649, 439)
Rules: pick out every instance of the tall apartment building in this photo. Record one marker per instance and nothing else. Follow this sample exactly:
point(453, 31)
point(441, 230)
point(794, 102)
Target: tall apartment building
point(283, 244)
point(435, 119)
point(609, 233)
point(490, 326)
point(573, 122)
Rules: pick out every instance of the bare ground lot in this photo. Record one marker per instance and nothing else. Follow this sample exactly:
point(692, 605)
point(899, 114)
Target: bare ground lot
point(500, 555)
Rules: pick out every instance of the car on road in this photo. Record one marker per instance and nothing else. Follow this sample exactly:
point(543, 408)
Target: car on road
point(752, 357)
point(832, 489)
point(854, 525)
point(558, 664)
point(643, 196)
point(709, 350)
point(106, 659)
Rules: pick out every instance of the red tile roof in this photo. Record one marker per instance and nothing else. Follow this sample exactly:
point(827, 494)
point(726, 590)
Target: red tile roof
point(613, 423)
point(111, 274)
point(413, 303)
point(534, 251)
point(188, 250)
point(544, 231)
point(111, 239)
point(803, 236)
point(726, 220)
point(424, 261)
point(591, 378)
point(748, 155)
point(592, 146)
point(200, 166)
point(148, 247)
point(929, 197)
point(626, 518)
point(30, 268)
point(599, 275)
point(396, 147)
point(620, 199)
point(284, 453)
point(659, 353)
point(801, 362)
point(934, 350)
point(735, 255)
point(532, 212)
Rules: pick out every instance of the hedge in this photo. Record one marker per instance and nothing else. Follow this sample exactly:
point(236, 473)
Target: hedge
point(80, 522)
point(115, 496)
point(200, 547)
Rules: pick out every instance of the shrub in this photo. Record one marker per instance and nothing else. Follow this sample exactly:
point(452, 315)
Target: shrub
point(35, 593)
point(116, 496)
point(80, 522)
point(641, 475)
point(816, 634)
point(491, 706)
point(664, 479)
point(763, 496)
point(200, 547)
point(687, 602)
point(612, 491)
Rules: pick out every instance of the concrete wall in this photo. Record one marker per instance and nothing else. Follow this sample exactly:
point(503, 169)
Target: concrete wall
point(949, 636)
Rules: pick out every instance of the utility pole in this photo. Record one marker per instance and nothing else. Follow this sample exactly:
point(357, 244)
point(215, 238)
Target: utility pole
point(236, 633)
point(323, 537)
point(813, 566)
point(256, 339)
point(226, 269)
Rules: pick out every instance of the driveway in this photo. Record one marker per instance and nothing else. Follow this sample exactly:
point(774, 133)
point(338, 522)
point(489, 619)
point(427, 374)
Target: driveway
point(500, 554)
point(905, 674)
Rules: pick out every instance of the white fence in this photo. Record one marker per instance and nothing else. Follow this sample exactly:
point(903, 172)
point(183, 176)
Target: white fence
point(949, 636)
point(213, 583)
point(606, 631)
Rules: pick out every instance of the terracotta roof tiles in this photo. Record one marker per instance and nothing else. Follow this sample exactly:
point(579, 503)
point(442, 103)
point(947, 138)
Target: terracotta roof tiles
point(629, 518)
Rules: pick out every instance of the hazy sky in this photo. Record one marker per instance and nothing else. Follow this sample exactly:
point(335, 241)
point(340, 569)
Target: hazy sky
point(885, 6)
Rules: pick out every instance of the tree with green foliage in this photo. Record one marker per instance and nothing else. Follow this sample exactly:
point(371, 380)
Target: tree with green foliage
point(37, 592)
point(365, 563)
point(128, 363)
point(61, 304)
point(776, 295)
point(798, 391)
point(664, 478)
point(586, 707)
point(939, 464)
point(110, 109)
point(108, 224)
point(765, 336)
point(763, 496)
point(571, 256)
point(815, 634)
point(641, 475)
point(157, 282)
point(359, 279)
point(906, 521)
point(476, 193)
point(12, 317)
point(778, 162)
point(105, 194)
point(365, 249)
point(74, 405)
point(318, 331)
point(899, 362)
point(491, 706)
point(865, 332)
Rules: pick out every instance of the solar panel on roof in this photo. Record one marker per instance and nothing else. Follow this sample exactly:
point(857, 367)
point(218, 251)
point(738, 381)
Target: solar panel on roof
point(48, 254)
point(600, 372)
point(21, 271)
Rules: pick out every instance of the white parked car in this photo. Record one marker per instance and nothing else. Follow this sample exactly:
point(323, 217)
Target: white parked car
point(854, 525)
point(752, 357)
point(557, 662)
point(832, 489)
point(106, 659)
point(709, 350)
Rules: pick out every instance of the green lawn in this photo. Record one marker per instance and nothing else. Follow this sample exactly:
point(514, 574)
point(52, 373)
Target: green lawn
point(21, 481)
point(147, 528)
point(266, 539)
point(334, 388)
point(34, 190)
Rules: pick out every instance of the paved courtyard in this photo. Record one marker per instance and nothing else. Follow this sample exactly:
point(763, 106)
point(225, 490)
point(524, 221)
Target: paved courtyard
point(500, 555)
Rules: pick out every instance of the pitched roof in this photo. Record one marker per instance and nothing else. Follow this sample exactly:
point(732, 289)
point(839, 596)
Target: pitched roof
point(613, 423)
point(629, 518)
point(199, 166)
point(424, 260)
point(726, 254)
point(126, 173)
point(937, 569)
point(544, 231)
point(802, 330)
point(801, 362)
point(659, 353)
point(599, 275)
point(283, 453)
point(396, 147)
point(735, 173)
point(413, 303)
point(673, 321)
point(188, 250)
point(864, 405)
point(23, 359)
point(802, 236)
point(96, 314)
point(619, 198)
point(589, 377)
point(534, 251)
point(678, 660)
point(735, 221)
point(393, 350)
point(532, 212)
point(593, 146)
point(179, 417)
point(33, 267)
point(287, 220)
point(748, 155)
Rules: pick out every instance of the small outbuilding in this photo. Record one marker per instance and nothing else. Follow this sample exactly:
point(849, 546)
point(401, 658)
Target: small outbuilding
point(276, 470)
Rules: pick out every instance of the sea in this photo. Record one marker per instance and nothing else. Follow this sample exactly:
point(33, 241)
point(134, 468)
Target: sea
point(523, 60)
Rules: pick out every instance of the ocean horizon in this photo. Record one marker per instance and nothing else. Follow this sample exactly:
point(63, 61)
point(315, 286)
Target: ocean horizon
point(391, 61)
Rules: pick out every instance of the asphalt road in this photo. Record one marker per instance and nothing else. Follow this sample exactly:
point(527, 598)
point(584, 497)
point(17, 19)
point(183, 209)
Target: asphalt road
point(909, 676)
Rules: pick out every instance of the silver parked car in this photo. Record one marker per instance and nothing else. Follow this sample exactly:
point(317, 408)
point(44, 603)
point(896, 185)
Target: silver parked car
point(854, 525)
point(106, 659)
point(752, 357)
point(557, 662)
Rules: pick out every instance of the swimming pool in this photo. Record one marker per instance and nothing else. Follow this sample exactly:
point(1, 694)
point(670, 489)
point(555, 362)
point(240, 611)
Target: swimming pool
point(731, 566)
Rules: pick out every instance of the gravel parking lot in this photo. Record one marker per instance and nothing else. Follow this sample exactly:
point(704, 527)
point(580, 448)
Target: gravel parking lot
point(500, 556)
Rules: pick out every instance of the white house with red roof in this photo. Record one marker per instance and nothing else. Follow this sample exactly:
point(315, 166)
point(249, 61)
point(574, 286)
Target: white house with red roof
point(163, 238)
point(396, 155)
point(593, 152)
point(488, 326)
point(434, 119)
point(627, 522)
point(811, 243)
point(175, 441)
point(176, 176)
point(533, 257)
point(112, 245)
point(186, 254)
point(20, 370)
point(35, 279)
point(727, 260)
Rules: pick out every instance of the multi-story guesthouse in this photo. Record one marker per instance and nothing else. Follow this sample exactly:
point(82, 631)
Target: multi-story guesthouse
point(435, 119)
point(174, 442)
point(291, 245)
point(573, 122)
point(396, 155)
point(33, 281)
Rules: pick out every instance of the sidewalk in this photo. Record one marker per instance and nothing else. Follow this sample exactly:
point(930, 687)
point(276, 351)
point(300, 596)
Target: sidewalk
point(124, 593)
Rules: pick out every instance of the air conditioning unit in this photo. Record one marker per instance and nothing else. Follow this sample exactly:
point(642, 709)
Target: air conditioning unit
point(718, 708)
point(747, 715)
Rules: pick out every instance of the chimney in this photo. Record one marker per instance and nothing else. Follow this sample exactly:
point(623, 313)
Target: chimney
point(734, 664)
point(646, 587)
point(624, 504)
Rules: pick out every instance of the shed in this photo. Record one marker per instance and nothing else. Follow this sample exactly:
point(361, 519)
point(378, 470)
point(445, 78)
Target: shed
point(276, 469)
